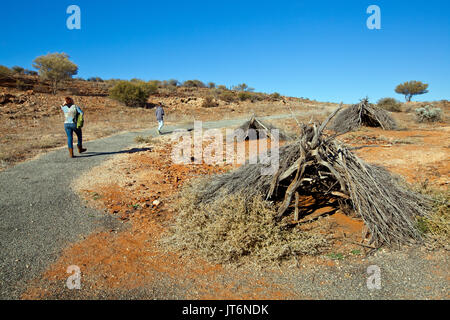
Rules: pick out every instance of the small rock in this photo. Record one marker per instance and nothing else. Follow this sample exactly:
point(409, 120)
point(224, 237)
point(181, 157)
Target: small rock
point(156, 203)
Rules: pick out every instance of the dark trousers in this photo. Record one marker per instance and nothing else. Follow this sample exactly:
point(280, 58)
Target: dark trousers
point(70, 129)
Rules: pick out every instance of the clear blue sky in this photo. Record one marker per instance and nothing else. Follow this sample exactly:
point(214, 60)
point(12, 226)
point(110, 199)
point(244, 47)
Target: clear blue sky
point(316, 49)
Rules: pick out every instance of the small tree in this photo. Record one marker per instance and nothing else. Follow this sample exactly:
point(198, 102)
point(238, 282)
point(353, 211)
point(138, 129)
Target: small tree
point(243, 87)
point(173, 82)
point(132, 95)
point(18, 70)
point(55, 67)
point(411, 88)
point(211, 85)
point(30, 72)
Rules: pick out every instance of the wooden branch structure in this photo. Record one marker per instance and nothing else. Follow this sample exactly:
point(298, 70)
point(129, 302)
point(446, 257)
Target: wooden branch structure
point(318, 164)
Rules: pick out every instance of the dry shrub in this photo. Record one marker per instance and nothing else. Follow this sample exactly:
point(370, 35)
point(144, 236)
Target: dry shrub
point(231, 229)
point(436, 225)
point(209, 102)
point(362, 114)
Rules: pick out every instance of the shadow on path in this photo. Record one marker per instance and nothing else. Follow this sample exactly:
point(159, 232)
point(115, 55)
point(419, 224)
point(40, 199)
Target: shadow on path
point(96, 154)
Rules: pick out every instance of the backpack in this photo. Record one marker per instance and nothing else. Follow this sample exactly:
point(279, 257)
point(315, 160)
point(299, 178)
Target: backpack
point(79, 120)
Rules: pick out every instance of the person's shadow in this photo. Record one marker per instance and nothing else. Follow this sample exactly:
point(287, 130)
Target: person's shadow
point(96, 154)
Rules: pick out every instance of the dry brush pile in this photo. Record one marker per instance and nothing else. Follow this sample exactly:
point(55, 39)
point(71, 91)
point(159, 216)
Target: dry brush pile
point(250, 129)
point(362, 114)
point(244, 213)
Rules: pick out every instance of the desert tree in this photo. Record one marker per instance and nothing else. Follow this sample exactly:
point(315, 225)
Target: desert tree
point(18, 69)
point(242, 87)
point(55, 67)
point(211, 85)
point(411, 88)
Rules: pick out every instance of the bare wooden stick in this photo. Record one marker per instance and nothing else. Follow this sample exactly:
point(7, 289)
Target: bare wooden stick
point(297, 199)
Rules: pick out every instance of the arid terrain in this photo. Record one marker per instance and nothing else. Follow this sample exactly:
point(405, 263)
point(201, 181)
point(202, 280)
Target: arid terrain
point(141, 189)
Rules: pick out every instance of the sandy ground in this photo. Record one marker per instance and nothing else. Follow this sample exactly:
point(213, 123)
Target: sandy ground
point(132, 263)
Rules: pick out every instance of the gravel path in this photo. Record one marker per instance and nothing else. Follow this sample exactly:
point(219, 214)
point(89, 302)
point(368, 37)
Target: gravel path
point(40, 215)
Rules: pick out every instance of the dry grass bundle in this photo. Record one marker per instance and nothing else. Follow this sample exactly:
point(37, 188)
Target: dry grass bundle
point(262, 129)
point(241, 229)
point(316, 165)
point(362, 114)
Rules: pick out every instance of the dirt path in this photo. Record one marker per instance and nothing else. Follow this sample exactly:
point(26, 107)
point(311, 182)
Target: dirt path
point(40, 214)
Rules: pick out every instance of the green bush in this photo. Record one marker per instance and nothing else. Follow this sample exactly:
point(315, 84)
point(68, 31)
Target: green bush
point(18, 70)
point(30, 72)
point(227, 96)
point(194, 84)
point(390, 104)
point(211, 85)
point(275, 96)
point(173, 82)
point(243, 96)
point(149, 87)
point(428, 114)
point(132, 95)
point(95, 79)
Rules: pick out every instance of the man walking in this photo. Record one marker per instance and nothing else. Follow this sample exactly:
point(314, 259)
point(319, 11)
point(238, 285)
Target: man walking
point(160, 116)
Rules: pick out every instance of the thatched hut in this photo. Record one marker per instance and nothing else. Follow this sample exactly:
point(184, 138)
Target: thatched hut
point(260, 129)
point(362, 114)
point(318, 164)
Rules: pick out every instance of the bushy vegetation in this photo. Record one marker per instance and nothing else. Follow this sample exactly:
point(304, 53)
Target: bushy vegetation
point(243, 96)
point(148, 87)
point(131, 94)
point(30, 72)
point(227, 96)
point(275, 96)
point(5, 71)
point(390, 104)
point(95, 79)
point(428, 113)
point(194, 84)
point(209, 102)
point(243, 87)
point(18, 70)
point(437, 224)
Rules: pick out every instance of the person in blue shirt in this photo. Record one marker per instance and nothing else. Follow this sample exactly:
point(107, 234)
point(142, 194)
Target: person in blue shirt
point(71, 112)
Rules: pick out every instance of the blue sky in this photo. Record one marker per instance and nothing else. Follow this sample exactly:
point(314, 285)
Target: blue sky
point(317, 49)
